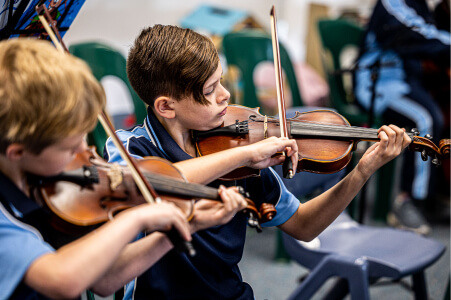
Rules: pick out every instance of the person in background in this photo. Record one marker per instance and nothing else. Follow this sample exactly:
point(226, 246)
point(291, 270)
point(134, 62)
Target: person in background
point(400, 39)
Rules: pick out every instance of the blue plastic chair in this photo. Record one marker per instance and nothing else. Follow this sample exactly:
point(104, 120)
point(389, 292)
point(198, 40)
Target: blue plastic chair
point(360, 255)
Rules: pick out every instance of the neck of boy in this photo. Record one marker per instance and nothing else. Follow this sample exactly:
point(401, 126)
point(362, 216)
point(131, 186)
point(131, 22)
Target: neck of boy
point(14, 173)
point(180, 134)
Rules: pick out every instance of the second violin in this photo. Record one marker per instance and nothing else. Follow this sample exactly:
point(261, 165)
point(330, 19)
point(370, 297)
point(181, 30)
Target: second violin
point(91, 191)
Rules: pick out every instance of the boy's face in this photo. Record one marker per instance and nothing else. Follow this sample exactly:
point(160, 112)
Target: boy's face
point(196, 116)
point(53, 159)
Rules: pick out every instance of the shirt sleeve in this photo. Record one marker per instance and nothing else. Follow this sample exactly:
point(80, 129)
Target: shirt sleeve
point(271, 189)
point(406, 31)
point(20, 246)
point(137, 146)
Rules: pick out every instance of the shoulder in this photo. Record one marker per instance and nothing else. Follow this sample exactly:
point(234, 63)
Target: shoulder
point(137, 141)
point(21, 245)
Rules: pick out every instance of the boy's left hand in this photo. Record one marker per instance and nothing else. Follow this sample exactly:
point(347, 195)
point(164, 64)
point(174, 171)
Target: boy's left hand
point(208, 213)
point(392, 141)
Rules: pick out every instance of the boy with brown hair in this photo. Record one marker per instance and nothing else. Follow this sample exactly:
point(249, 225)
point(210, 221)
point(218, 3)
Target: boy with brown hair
point(177, 73)
point(49, 100)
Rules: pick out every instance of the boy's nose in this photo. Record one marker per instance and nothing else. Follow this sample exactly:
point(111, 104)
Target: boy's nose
point(224, 95)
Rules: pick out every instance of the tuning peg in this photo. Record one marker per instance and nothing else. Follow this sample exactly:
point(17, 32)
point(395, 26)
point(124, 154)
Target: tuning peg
point(424, 155)
point(415, 131)
point(253, 223)
point(436, 161)
point(243, 192)
point(428, 136)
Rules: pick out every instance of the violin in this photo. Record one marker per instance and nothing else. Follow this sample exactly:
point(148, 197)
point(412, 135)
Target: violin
point(325, 139)
point(91, 191)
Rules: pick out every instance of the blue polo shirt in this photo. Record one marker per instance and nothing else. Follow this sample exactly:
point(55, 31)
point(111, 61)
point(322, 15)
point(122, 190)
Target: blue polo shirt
point(213, 273)
point(21, 243)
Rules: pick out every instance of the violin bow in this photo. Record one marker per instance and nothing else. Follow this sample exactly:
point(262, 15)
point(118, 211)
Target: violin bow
point(287, 167)
point(147, 191)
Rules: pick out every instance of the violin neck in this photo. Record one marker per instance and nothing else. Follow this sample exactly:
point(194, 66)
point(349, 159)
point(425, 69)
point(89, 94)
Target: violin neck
point(338, 132)
point(170, 186)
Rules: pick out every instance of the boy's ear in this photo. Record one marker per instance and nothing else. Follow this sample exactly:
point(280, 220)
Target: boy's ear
point(164, 106)
point(14, 151)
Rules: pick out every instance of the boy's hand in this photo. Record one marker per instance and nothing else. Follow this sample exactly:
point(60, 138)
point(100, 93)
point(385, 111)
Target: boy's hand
point(262, 152)
point(163, 217)
point(392, 141)
point(208, 213)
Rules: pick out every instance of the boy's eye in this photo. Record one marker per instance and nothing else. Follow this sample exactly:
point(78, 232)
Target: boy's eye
point(209, 92)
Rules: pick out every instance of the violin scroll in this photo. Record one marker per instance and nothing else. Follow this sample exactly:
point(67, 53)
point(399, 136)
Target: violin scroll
point(444, 147)
point(255, 216)
point(427, 148)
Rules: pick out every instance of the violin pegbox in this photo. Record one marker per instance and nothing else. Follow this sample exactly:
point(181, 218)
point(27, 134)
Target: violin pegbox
point(427, 148)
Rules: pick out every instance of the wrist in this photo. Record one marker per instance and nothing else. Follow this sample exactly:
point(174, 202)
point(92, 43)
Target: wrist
point(362, 172)
point(244, 156)
point(247, 155)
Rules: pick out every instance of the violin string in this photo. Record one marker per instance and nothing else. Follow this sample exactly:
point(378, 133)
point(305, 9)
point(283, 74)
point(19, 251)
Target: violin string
point(330, 127)
point(186, 189)
point(333, 128)
point(342, 128)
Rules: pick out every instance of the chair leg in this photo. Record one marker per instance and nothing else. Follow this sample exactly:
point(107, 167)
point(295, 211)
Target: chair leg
point(355, 272)
point(419, 286)
point(338, 291)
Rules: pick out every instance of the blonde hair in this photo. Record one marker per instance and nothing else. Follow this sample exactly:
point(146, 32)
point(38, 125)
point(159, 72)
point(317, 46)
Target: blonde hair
point(45, 95)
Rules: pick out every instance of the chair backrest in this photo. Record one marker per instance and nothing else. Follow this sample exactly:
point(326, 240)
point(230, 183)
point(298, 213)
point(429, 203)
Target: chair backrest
point(106, 61)
point(246, 49)
point(336, 36)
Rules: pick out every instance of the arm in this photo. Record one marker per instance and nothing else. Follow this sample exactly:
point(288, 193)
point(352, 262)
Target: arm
point(406, 31)
point(315, 215)
point(258, 155)
point(137, 257)
point(67, 272)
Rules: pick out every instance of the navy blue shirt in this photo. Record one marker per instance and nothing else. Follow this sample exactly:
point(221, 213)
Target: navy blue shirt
point(213, 273)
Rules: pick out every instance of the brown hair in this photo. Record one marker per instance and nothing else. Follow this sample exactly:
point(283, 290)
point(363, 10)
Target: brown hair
point(171, 61)
point(45, 95)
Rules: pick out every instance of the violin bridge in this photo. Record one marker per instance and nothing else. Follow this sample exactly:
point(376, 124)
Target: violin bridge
point(115, 176)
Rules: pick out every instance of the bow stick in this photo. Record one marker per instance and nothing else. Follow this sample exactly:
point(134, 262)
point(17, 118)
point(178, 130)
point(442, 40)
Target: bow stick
point(147, 191)
point(287, 167)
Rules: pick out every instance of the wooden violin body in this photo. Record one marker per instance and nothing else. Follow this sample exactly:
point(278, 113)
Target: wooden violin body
point(91, 191)
point(325, 139)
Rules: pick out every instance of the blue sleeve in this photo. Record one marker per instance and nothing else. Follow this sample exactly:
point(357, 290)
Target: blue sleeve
point(400, 27)
point(20, 246)
point(137, 146)
point(271, 189)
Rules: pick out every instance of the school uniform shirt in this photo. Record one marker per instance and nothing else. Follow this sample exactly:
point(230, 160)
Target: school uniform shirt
point(213, 272)
point(21, 244)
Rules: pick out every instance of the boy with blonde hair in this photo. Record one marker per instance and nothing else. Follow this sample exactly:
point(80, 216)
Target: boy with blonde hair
point(49, 100)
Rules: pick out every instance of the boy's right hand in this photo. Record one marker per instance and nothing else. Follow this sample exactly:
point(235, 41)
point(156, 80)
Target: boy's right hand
point(208, 213)
point(262, 152)
point(163, 217)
